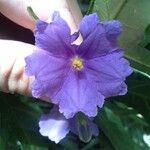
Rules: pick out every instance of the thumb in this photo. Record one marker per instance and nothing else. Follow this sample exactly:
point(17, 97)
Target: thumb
point(12, 74)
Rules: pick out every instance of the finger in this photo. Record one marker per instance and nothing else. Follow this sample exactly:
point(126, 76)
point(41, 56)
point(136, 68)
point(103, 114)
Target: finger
point(16, 10)
point(12, 73)
point(12, 66)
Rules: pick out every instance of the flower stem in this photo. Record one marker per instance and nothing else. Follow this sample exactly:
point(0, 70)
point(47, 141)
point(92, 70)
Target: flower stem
point(32, 13)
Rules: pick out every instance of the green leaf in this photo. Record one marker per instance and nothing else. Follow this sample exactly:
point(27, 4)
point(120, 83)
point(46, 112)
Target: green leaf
point(31, 147)
point(90, 8)
point(69, 144)
point(2, 144)
point(138, 95)
point(134, 14)
point(122, 127)
point(19, 123)
point(144, 43)
point(101, 142)
point(84, 6)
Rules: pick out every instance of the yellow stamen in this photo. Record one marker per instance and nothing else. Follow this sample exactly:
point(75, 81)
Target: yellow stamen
point(77, 63)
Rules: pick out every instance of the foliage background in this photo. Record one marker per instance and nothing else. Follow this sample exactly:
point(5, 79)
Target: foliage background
point(124, 121)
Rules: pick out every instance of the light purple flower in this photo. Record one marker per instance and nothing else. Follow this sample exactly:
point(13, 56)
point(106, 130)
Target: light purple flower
point(55, 126)
point(78, 77)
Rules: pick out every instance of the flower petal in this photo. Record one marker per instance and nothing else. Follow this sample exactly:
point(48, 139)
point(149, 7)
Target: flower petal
point(88, 24)
point(54, 125)
point(109, 73)
point(113, 28)
point(96, 44)
point(78, 95)
point(54, 37)
point(40, 27)
point(100, 38)
point(74, 36)
point(49, 72)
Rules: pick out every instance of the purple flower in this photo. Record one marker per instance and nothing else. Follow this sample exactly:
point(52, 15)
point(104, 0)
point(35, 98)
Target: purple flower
point(78, 77)
point(55, 126)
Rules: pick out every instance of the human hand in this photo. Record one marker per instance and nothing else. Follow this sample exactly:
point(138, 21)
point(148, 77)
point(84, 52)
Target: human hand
point(12, 53)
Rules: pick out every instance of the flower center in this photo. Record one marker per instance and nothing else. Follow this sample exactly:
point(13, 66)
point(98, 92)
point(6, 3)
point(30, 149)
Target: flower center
point(77, 63)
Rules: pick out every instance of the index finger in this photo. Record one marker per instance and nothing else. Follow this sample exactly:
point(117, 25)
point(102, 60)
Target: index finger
point(16, 10)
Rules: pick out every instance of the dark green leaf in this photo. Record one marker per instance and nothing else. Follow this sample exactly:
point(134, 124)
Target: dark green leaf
point(2, 144)
point(84, 5)
point(123, 131)
point(19, 122)
point(138, 95)
point(146, 41)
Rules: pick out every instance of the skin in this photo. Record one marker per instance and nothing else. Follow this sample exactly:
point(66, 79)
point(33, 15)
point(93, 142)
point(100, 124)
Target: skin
point(12, 74)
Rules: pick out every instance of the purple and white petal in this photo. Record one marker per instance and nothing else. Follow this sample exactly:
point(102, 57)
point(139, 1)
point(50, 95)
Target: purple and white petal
point(54, 126)
point(109, 73)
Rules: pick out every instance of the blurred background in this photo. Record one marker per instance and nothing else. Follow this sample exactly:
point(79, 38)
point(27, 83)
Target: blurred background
point(124, 121)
